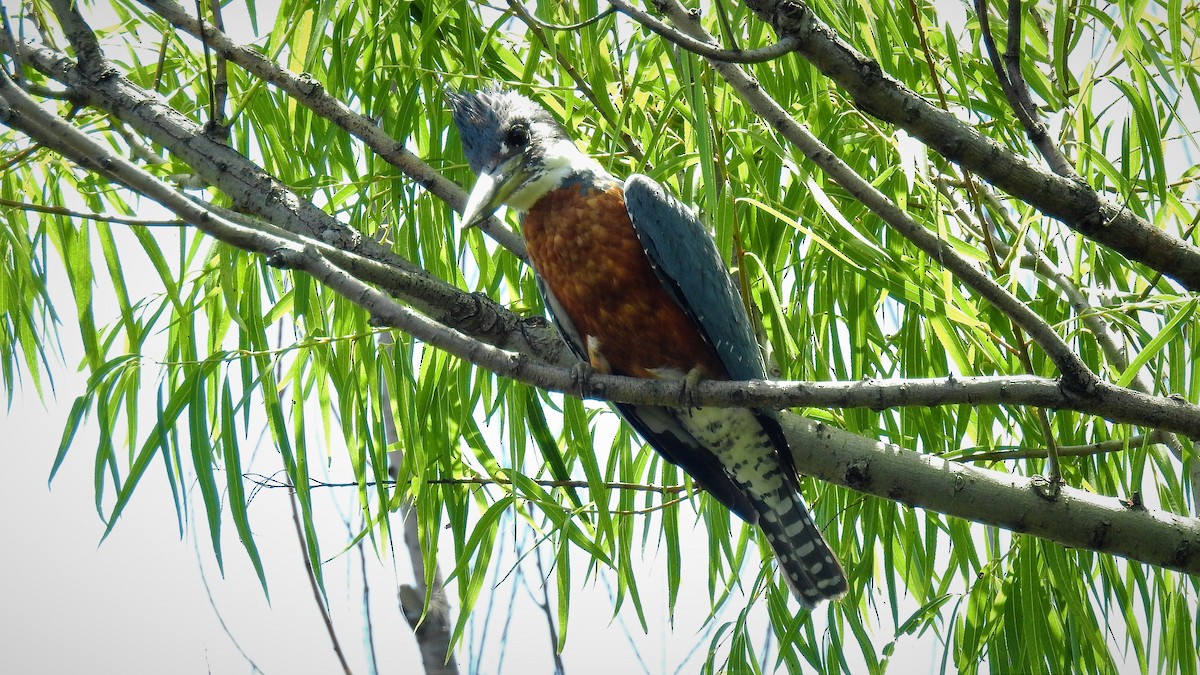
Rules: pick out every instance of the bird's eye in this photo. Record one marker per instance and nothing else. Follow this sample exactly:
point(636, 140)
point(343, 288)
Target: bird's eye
point(517, 137)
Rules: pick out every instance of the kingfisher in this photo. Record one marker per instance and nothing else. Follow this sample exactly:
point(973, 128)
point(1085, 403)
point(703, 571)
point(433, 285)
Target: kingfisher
point(636, 287)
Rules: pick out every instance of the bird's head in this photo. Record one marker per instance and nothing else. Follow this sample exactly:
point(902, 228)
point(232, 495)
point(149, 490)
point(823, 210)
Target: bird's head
point(518, 150)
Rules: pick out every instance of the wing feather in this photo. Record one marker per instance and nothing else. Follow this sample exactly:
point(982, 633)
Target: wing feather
point(686, 261)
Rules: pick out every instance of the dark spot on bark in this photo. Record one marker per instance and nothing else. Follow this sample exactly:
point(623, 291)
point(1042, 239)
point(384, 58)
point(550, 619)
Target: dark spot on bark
point(1183, 554)
point(858, 474)
point(869, 71)
point(1099, 534)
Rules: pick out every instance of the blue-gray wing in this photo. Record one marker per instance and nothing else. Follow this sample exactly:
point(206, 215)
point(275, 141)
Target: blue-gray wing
point(688, 265)
point(686, 261)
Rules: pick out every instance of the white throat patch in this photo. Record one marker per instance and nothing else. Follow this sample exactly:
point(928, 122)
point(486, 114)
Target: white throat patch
point(560, 161)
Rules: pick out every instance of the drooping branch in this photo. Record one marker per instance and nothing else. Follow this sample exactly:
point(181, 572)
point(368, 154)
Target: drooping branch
point(1073, 203)
point(309, 93)
point(1076, 373)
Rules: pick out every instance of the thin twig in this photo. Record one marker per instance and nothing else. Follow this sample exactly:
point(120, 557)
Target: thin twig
point(529, 18)
point(272, 482)
point(368, 624)
point(212, 602)
point(555, 649)
point(1100, 448)
point(316, 589)
point(1041, 265)
point(707, 48)
point(104, 217)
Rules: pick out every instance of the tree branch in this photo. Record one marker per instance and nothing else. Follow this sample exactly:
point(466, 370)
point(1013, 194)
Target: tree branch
point(316, 258)
point(309, 93)
point(1073, 203)
point(1076, 374)
point(709, 49)
point(1012, 83)
point(316, 589)
point(105, 217)
point(1076, 519)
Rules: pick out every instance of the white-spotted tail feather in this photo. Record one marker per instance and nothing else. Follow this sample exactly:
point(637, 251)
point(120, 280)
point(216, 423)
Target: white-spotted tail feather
point(751, 459)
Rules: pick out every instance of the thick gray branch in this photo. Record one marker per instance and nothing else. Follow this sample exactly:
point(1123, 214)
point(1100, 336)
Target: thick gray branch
point(1074, 203)
point(309, 93)
point(1077, 519)
point(1076, 374)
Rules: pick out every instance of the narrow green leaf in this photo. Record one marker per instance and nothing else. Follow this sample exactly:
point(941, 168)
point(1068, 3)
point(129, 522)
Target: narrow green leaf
point(238, 508)
point(167, 416)
point(1168, 333)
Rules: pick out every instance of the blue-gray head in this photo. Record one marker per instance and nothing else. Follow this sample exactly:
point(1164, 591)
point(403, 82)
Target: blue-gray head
point(518, 150)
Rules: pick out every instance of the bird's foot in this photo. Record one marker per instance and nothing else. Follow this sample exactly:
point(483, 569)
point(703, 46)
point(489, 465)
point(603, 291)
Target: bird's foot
point(687, 389)
point(581, 377)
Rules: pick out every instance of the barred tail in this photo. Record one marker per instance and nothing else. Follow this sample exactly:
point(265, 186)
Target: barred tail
point(754, 455)
point(806, 562)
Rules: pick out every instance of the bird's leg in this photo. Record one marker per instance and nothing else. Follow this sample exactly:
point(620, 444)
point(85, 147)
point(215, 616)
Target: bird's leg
point(581, 372)
point(687, 391)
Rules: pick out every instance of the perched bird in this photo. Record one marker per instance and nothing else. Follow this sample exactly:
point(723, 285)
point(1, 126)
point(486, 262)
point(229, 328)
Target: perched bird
point(636, 286)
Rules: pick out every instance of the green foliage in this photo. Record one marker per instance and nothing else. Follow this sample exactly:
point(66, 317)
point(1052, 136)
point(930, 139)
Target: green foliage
point(224, 347)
